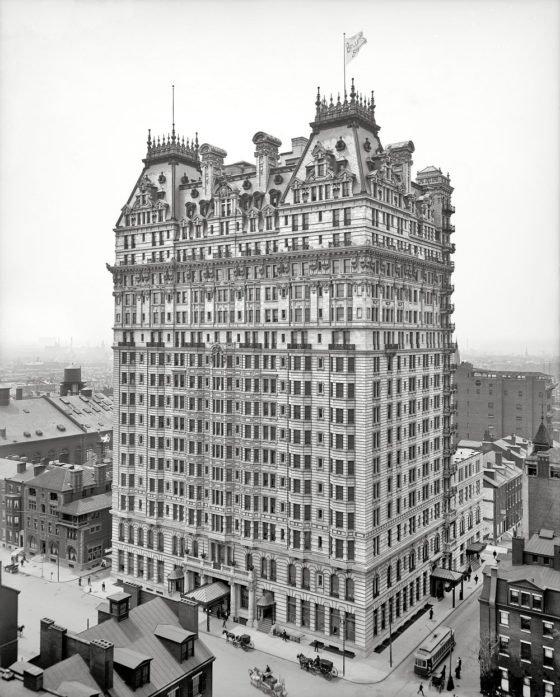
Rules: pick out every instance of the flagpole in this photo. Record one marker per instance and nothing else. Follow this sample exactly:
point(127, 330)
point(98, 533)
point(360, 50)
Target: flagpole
point(344, 60)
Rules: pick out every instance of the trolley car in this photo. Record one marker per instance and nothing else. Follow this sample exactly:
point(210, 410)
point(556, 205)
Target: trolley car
point(433, 650)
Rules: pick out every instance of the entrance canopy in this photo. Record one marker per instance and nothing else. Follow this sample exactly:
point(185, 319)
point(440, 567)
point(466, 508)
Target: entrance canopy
point(266, 600)
point(447, 575)
point(209, 594)
point(476, 547)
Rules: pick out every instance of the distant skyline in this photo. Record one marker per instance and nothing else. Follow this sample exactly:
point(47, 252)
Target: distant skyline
point(475, 86)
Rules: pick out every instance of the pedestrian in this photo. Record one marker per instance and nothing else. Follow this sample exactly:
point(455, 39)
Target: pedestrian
point(458, 671)
point(103, 586)
point(226, 615)
point(316, 644)
point(420, 690)
point(459, 662)
point(475, 580)
point(79, 580)
point(285, 635)
point(431, 613)
point(89, 580)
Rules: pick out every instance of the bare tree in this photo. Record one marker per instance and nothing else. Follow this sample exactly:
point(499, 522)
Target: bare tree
point(488, 660)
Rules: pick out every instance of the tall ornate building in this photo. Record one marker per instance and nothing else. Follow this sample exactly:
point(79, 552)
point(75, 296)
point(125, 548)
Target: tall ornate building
point(283, 376)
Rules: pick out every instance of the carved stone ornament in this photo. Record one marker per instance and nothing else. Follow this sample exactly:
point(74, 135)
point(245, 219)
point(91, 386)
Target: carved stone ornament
point(184, 179)
point(367, 145)
point(340, 145)
point(161, 179)
point(282, 267)
point(194, 193)
point(247, 184)
point(278, 179)
point(314, 265)
point(326, 264)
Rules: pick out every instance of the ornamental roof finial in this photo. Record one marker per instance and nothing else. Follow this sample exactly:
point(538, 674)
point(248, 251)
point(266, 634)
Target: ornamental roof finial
point(352, 92)
point(318, 100)
point(149, 141)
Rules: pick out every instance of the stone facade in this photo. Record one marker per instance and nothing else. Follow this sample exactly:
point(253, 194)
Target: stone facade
point(283, 375)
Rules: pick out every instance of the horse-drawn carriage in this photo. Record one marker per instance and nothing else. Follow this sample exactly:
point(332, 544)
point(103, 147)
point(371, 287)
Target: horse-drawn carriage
point(267, 682)
point(319, 666)
point(240, 640)
point(438, 681)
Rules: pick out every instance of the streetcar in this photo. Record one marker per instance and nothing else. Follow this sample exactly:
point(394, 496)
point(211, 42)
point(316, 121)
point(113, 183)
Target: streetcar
point(433, 650)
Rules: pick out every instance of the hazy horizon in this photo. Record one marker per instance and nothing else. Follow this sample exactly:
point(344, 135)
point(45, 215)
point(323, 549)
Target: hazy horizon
point(475, 86)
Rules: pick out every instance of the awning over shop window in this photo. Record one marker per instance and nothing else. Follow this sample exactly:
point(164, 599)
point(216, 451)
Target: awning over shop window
point(176, 574)
point(447, 575)
point(266, 600)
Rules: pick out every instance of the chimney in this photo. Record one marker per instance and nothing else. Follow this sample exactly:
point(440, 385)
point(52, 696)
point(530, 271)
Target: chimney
point(21, 466)
point(101, 663)
point(133, 589)
point(556, 560)
point(517, 549)
point(87, 392)
point(4, 396)
point(38, 469)
point(100, 474)
point(19, 393)
point(33, 678)
point(211, 163)
point(266, 152)
point(76, 477)
point(498, 459)
point(187, 614)
point(298, 145)
point(513, 440)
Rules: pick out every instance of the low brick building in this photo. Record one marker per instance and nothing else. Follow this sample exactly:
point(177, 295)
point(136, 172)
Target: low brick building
point(67, 510)
point(520, 619)
point(502, 505)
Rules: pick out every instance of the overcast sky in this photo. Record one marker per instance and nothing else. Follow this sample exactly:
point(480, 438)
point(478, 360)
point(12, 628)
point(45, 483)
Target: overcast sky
point(475, 86)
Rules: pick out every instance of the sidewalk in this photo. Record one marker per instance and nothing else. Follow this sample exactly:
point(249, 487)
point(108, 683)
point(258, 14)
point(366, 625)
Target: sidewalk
point(373, 669)
point(40, 566)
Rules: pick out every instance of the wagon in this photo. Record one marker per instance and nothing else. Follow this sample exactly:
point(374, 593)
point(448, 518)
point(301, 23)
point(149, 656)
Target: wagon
point(267, 682)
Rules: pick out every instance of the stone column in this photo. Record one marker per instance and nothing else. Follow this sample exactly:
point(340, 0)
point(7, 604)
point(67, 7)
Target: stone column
point(251, 618)
point(233, 599)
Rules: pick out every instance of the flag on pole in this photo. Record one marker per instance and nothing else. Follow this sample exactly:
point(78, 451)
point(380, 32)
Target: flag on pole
point(352, 46)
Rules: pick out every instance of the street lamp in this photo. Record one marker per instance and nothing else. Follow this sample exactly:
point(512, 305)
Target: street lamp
point(450, 683)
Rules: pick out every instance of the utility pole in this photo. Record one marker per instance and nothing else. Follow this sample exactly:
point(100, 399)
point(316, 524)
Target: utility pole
point(343, 645)
point(390, 608)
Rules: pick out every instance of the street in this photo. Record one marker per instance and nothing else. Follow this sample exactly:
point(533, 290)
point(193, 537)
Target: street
point(71, 606)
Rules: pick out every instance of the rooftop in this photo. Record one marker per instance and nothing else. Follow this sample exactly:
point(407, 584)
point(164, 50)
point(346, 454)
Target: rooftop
point(70, 678)
point(137, 634)
point(542, 577)
point(543, 543)
point(89, 504)
point(45, 417)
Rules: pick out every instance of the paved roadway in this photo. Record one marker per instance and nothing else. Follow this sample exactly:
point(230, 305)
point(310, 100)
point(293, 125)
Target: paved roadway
point(71, 606)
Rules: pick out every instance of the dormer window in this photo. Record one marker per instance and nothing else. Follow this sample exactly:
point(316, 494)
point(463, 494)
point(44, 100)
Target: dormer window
point(143, 674)
point(296, 196)
point(320, 169)
point(187, 649)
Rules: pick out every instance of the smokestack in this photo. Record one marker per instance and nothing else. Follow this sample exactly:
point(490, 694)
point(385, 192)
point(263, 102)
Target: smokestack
point(4, 395)
point(19, 393)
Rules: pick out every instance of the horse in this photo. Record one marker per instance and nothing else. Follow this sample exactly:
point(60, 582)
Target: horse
point(230, 636)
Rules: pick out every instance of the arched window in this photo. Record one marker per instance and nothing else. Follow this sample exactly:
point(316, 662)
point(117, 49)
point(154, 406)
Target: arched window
point(195, 548)
point(305, 578)
point(436, 543)
point(140, 537)
point(478, 515)
point(71, 554)
point(398, 570)
point(389, 577)
point(350, 589)
point(334, 585)
point(462, 526)
point(182, 547)
point(160, 541)
point(425, 551)
point(32, 543)
point(264, 567)
point(150, 544)
point(174, 545)
point(375, 586)
point(248, 561)
point(291, 575)
point(121, 532)
point(131, 534)
point(272, 569)
point(53, 548)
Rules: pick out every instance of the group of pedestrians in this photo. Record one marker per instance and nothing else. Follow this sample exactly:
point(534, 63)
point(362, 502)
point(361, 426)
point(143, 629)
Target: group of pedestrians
point(442, 676)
